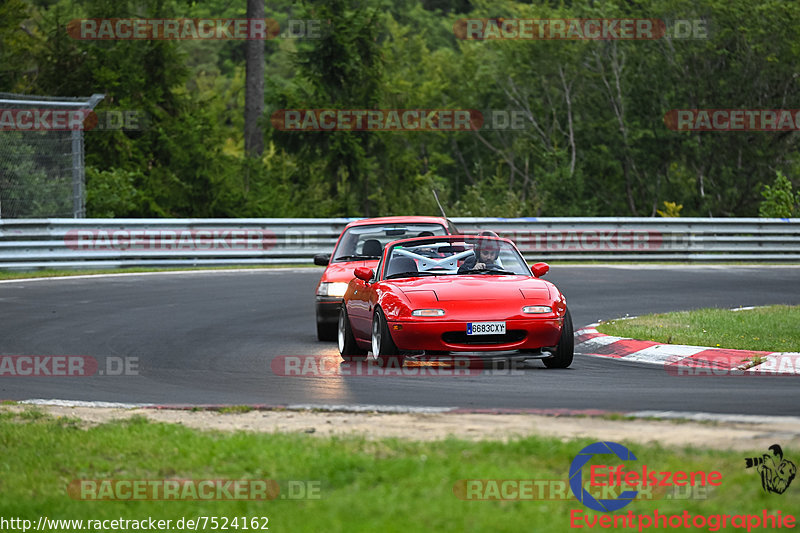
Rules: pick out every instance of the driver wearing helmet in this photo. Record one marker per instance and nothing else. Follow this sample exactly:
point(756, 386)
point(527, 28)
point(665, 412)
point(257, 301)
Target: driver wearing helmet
point(485, 255)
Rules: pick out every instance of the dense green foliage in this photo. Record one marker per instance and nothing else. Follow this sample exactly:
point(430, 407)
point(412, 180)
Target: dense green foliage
point(779, 201)
point(595, 141)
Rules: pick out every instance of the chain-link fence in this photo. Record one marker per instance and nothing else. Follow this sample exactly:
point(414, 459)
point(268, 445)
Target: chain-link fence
point(41, 156)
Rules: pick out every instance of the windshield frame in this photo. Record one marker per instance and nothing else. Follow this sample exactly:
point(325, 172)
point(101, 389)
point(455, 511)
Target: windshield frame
point(469, 241)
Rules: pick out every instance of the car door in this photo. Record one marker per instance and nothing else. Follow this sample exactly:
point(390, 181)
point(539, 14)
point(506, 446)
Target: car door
point(360, 310)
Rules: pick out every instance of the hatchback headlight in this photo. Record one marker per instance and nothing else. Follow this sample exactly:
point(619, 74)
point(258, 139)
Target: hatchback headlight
point(332, 289)
point(537, 309)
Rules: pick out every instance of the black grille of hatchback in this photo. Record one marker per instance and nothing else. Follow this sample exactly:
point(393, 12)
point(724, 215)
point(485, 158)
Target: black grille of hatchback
point(461, 337)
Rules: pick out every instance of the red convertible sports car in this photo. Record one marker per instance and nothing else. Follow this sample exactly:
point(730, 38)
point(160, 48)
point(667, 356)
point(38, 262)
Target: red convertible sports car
point(361, 244)
point(454, 293)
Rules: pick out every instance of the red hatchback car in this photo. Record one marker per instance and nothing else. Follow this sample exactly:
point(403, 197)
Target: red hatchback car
point(361, 245)
point(450, 294)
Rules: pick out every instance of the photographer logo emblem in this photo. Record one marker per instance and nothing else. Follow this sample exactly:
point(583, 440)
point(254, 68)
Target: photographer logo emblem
point(776, 472)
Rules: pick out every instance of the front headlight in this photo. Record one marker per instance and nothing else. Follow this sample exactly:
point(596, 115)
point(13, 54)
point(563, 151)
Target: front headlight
point(332, 289)
point(427, 312)
point(537, 309)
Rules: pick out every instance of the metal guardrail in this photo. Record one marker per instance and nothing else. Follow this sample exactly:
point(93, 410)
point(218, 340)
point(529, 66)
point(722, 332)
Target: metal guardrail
point(109, 243)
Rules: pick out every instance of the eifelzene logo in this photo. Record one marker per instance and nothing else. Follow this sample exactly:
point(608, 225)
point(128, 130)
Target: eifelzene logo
point(776, 472)
point(619, 476)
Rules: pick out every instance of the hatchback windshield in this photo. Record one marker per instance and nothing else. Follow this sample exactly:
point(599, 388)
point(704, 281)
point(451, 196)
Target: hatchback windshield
point(367, 242)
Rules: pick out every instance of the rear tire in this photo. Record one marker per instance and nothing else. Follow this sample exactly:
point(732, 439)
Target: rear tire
point(565, 350)
point(348, 349)
point(384, 350)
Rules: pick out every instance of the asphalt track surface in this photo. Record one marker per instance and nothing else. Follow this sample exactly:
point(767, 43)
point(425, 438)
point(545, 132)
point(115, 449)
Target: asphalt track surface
point(209, 338)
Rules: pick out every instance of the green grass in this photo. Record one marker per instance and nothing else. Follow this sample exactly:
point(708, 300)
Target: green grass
point(48, 273)
point(770, 329)
point(381, 485)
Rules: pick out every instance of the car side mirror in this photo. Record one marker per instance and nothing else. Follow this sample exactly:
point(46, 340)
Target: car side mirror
point(322, 259)
point(364, 273)
point(540, 269)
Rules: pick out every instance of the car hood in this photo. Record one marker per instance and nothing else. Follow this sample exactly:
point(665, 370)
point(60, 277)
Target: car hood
point(344, 271)
point(478, 287)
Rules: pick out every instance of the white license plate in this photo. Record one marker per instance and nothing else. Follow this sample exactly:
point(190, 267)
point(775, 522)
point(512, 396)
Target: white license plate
point(486, 328)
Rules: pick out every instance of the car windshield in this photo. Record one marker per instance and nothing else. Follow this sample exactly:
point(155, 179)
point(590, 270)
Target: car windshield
point(367, 242)
point(454, 256)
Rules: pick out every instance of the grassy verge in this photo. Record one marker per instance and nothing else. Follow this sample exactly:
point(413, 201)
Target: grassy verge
point(771, 329)
point(51, 273)
point(364, 485)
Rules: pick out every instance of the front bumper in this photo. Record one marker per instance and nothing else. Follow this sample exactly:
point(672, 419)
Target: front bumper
point(450, 336)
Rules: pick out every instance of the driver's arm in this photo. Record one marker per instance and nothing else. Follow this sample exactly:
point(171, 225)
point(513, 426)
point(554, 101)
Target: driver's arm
point(470, 263)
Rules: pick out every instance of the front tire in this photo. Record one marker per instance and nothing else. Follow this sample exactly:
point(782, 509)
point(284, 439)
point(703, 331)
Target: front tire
point(565, 350)
point(326, 331)
point(384, 350)
point(348, 349)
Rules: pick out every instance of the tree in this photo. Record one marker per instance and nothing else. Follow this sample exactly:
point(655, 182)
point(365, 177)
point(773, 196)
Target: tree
point(254, 86)
point(779, 201)
point(18, 46)
point(341, 70)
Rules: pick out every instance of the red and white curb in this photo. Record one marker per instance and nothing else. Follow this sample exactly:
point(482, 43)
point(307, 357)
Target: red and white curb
point(683, 360)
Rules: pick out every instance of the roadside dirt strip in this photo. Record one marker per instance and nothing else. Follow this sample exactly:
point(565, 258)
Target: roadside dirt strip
point(683, 360)
point(673, 429)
